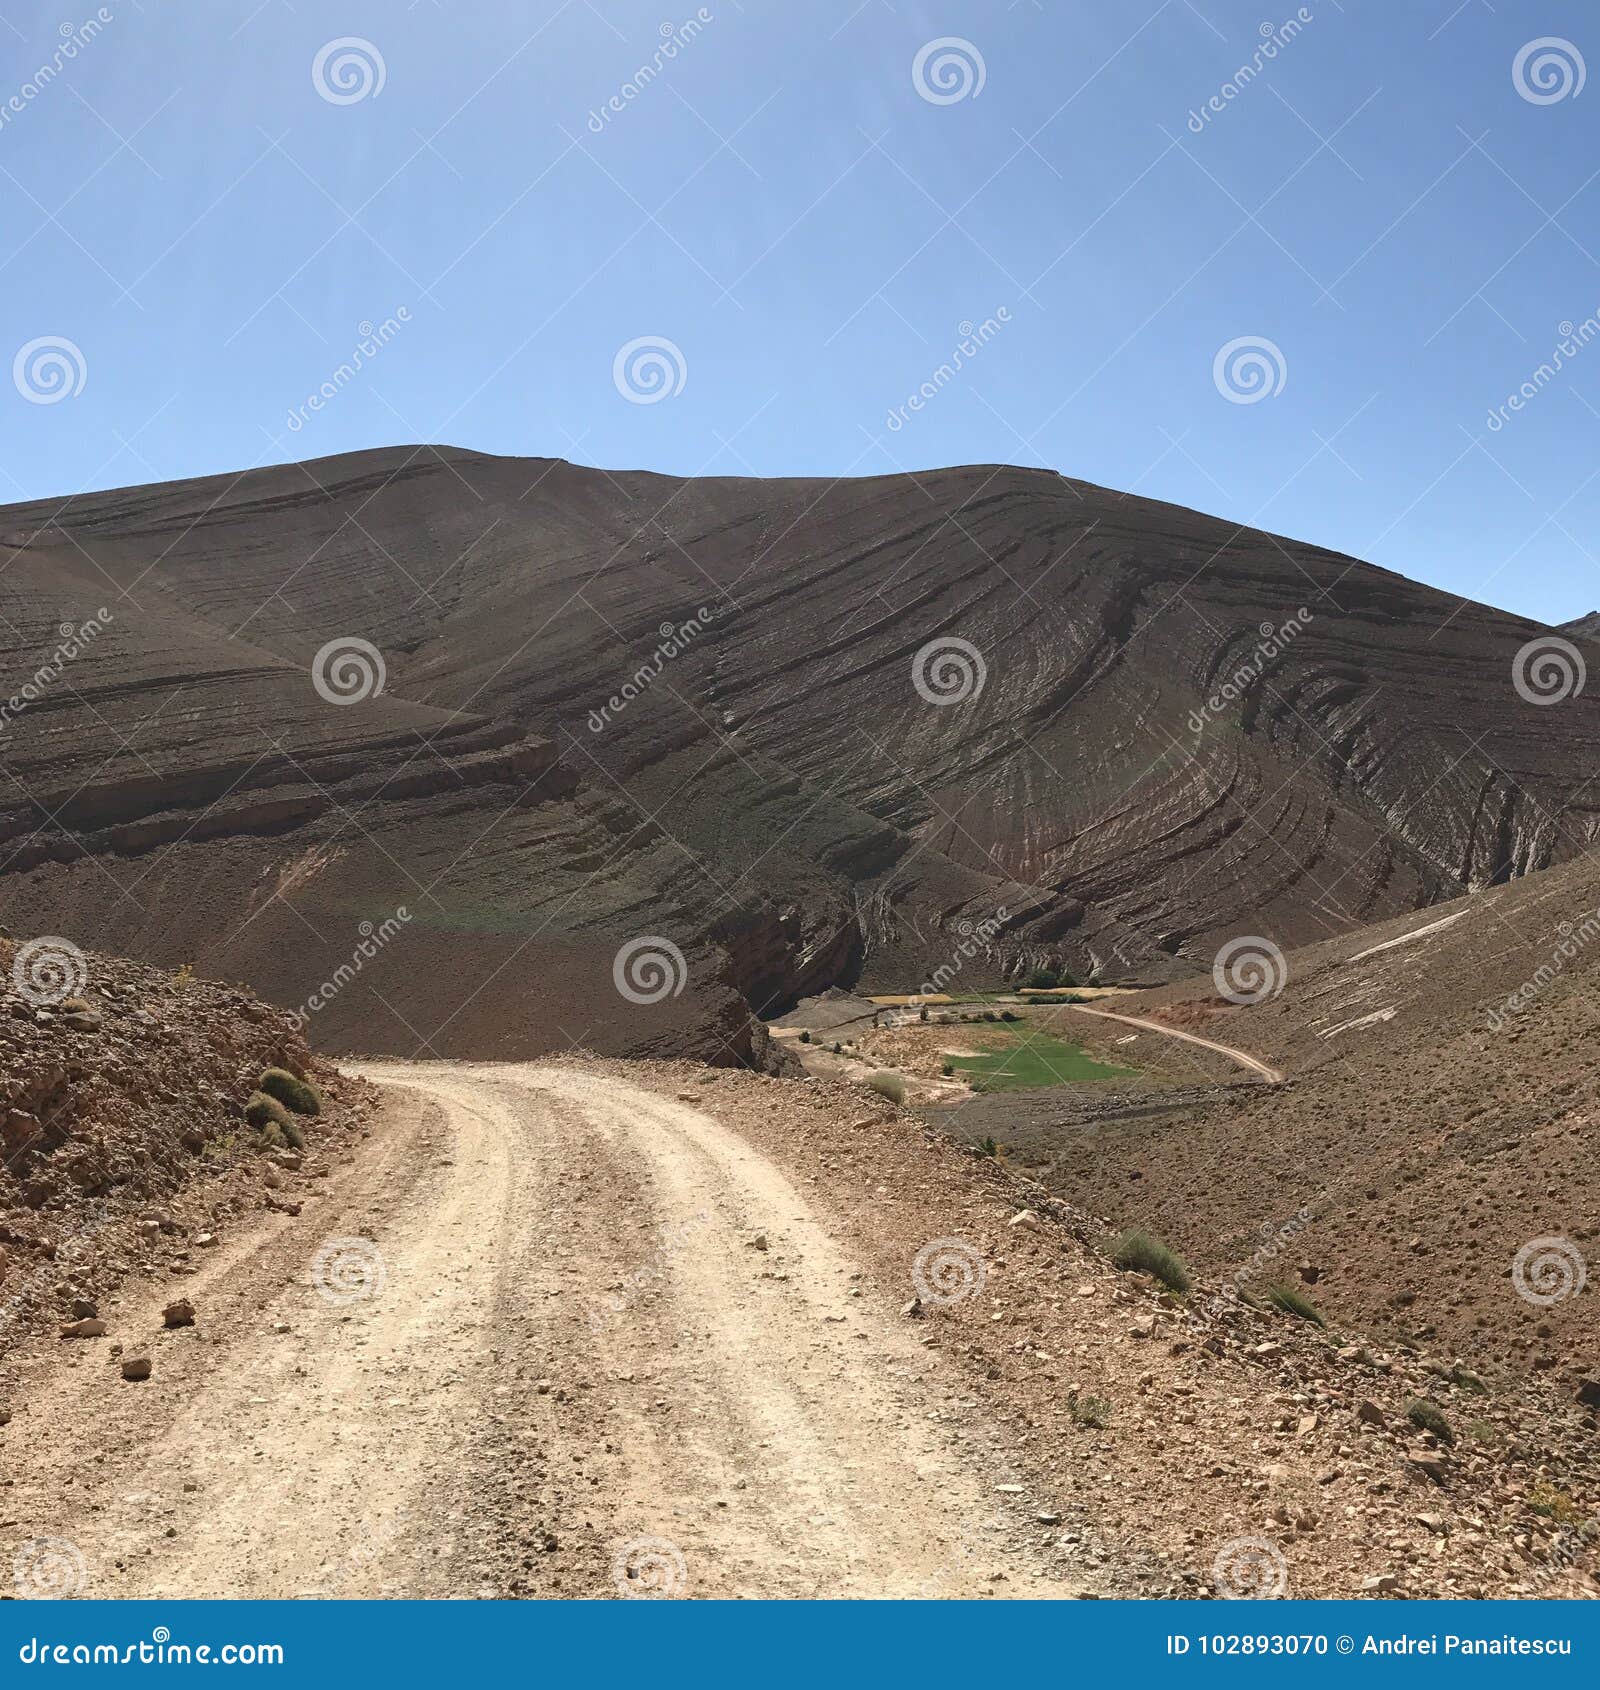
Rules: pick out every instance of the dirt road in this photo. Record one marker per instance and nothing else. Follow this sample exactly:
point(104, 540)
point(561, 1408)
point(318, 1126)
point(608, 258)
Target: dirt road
point(1243, 1057)
point(549, 1333)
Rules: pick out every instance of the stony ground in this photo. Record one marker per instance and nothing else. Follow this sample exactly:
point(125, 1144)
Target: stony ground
point(596, 1328)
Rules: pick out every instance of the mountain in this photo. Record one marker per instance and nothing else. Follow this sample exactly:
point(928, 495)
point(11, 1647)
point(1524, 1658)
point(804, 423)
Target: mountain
point(483, 756)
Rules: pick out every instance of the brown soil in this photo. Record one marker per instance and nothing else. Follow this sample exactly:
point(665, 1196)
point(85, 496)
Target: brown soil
point(579, 1357)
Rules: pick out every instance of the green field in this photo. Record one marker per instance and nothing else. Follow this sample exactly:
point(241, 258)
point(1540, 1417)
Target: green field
point(1014, 1062)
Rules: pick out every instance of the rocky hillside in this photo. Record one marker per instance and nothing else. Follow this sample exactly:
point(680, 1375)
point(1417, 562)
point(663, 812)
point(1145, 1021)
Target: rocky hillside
point(1428, 1169)
point(513, 754)
point(122, 1098)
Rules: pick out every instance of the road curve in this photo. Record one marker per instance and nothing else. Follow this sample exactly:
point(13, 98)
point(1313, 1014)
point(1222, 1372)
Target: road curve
point(1245, 1060)
point(575, 1338)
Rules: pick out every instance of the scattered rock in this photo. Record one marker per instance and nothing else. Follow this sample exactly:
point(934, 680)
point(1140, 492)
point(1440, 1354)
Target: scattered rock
point(136, 1367)
point(87, 1328)
point(180, 1313)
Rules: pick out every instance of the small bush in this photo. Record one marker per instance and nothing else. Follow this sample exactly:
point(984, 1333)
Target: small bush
point(1287, 1300)
point(1089, 1411)
point(922, 1014)
point(299, 1095)
point(1044, 980)
point(1552, 1504)
point(1427, 1416)
point(838, 1049)
point(293, 1135)
point(888, 1085)
point(989, 1147)
point(1008, 1015)
point(263, 1111)
point(1139, 1250)
point(805, 1036)
point(989, 1015)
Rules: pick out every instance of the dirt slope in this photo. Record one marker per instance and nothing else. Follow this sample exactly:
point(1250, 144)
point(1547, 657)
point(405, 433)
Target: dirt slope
point(544, 775)
point(1439, 1123)
point(524, 1340)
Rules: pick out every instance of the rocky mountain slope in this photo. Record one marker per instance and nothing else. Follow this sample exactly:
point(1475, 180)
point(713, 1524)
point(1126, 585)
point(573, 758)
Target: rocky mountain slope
point(1427, 1171)
point(122, 1096)
point(482, 756)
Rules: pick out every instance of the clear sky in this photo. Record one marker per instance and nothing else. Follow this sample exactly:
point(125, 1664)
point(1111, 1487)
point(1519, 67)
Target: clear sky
point(208, 205)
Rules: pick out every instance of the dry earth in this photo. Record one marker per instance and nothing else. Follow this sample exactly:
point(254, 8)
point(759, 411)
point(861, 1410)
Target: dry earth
point(588, 1319)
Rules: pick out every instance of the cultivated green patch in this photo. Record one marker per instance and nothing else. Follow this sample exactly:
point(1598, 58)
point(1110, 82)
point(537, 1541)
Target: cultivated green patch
point(1014, 1061)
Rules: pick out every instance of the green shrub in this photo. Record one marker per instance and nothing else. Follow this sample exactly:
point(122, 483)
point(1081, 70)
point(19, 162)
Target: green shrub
point(1287, 1300)
point(838, 1049)
point(1427, 1416)
point(1008, 1015)
point(1089, 1411)
point(1139, 1250)
point(293, 1134)
point(263, 1111)
point(299, 1095)
point(888, 1085)
point(989, 1015)
point(922, 1014)
point(805, 1036)
point(947, 1068)
point(1044, 980)
point(989, 1147)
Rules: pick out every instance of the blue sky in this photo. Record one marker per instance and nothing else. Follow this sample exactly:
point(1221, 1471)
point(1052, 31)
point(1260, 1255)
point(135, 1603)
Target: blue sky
point(1379, 200)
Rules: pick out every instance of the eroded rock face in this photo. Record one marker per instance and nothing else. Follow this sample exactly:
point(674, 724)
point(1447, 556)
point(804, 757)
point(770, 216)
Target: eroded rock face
point(624, 707)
